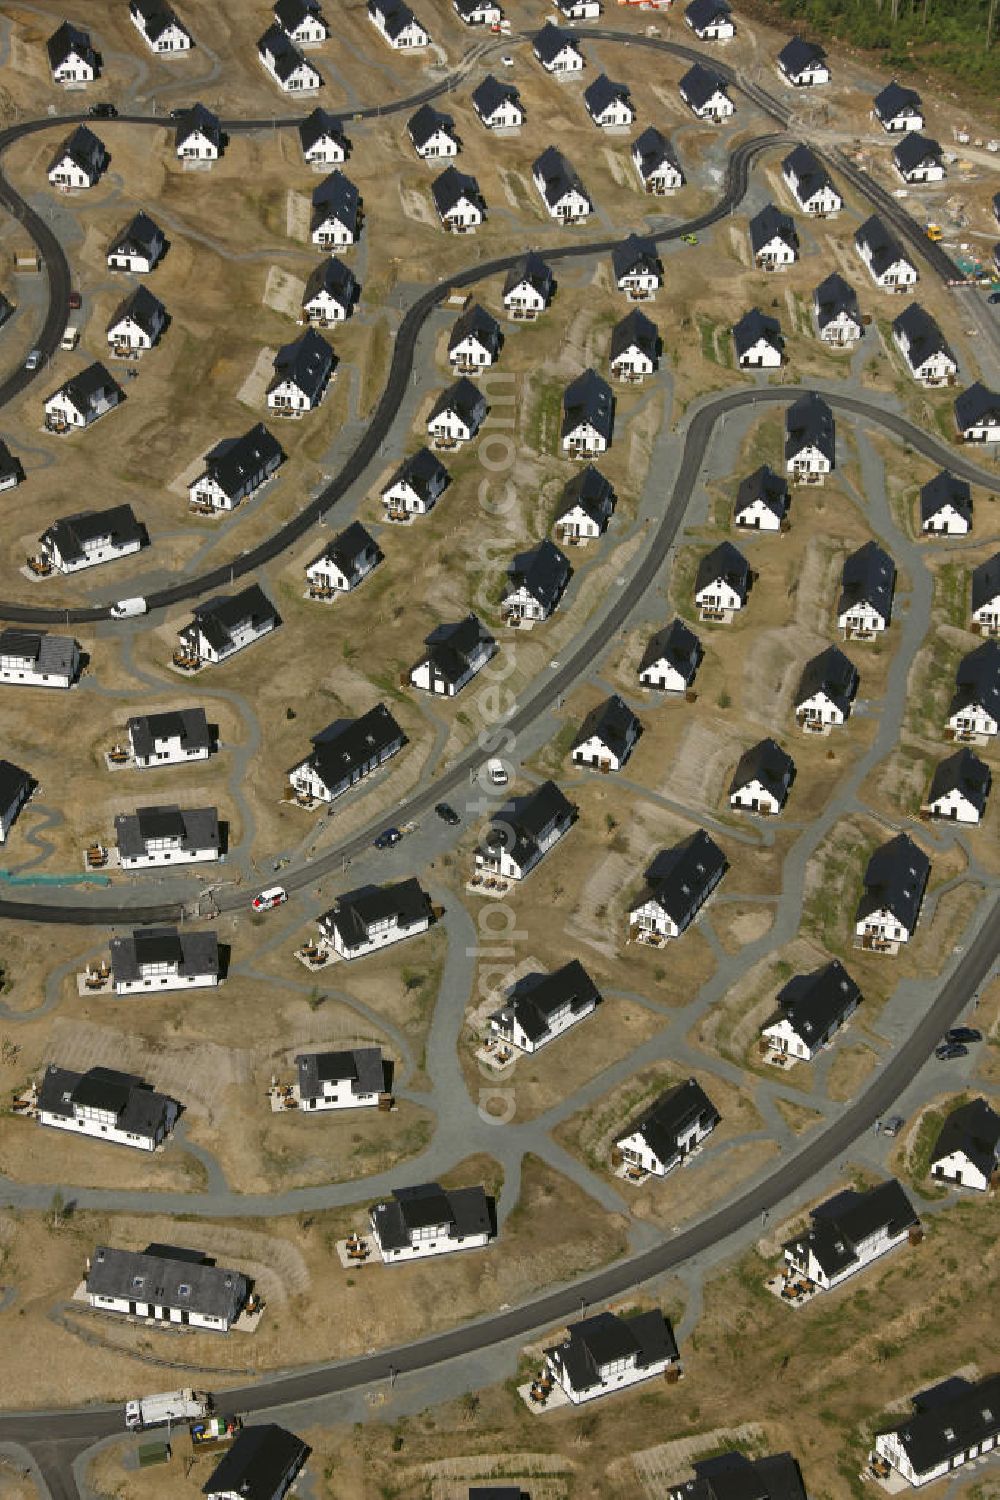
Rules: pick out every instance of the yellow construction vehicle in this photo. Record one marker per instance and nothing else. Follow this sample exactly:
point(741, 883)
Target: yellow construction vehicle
point(934, 232)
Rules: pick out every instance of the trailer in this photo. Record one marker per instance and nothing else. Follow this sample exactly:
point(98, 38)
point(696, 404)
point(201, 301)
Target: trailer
point(169, 1406)
point(213, 1432)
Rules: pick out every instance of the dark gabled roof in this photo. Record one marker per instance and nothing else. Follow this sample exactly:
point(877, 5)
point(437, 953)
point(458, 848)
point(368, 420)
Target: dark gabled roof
point(542, 571)
point(699, 84)
point(809, 424)
point(765, 485)
point(946, 489)
point(452, 645)
point(347, 744)
point(462, 397)
point(535, 999)
point(168, 1276)
point(395, 15)
point(334, 277)
point(724, 561)
point(427, 122)
point(70, 534)
point(647, 1337)
point(550, 41)
point(526, 817)
point(195, 828)
point(199, 118)
point(257, 1464)
point(285, 55)
point(292, 13)
point(842, 1223)
point(772, 223)
point(754, 326)
point(588, 398)
point(975, 405)
point(809, 172)
point(363, 1067)
point(767, 763)
point(974, 1130)
point(190, 725)
point(217, 617)
point(677, 645)
point(466, 1211)
point(306, 362)
point(13, 783)
point(734, 1476)
point(558, 175)
point(895, 881)
point(612, 721)
point(977, 680)
point(986, 582)
point(665, 1123)
point(421, 470)
point(84, 388)
point(962, 772)
point(869, 577)
point(68, 38)
point(652, 150)
point(679, 877)
point(319, 124)
point(84, 148)
point(604, 91)
point(142, 308)
point(636, 254)
point(133, 1102)
point(590, 491)
point(798, 54)
point(884, 248)
point(157, 16)
point(894, 99)
point(635, 330)
point(532, 269)
point(832, 673)
point(925, 337)
point(914, 150)
point(813, 1003)
point(479, 324)
point(233, 459)
point(491, 93)
point(834, 296)
point(355, 911)
point(349, 546)
point(701, 13)
point(140, 233)
point(335, 198)
point(943, 1430)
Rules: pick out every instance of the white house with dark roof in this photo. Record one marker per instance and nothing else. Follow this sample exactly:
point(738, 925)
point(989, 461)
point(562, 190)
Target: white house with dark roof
point(523, 831)
point(345, 753)
point(303, 21)
point(762, 779)
point(166, 1284)
point(654, 160)
point(774, 242)
point(608, 1352)
point(671, 659)
point(925, 350)
point(136, 323)
point(665, 1135)
point(757, 341)
point(172, 738)
point(537, 580)
point(93, 536)
point(812, 1008)
point(416, 486)
point(580, 10)
point(838, 316)
point(427, 1220)
point(985, 616)
point(710, 20)
point(704, 93)
point(803, 64)
point(722, 583)
point(498, 104)
point(608, 103)
point(540, 1007)
point(762, 501)
point(137, 247)
point(678, 883)
point(960, 788)
point(564, 195)
point(585, 507)
point(457, 415)
point(159, 27)
point(883, 256)
point(11, 469)
point(33, 658)
point(946, 506)
point(282, 58)
point(153, 837)
point(556, 51)
point(107, 1106)
point(478, 12)
point(945, 1432)
point(229, 623)
point(977, 414)
point(83, 399)
point(898, 109)
point(398, 25)
point(72, 59)
point(455, 652)
point(826, 690)
point(588, 418)
point(344, 563)
point(607, 736)
point(974, 711)
point(261, 1465)
point(432, 133)
point(475, 341)
point(634, 352)
point(637, 268)
point(868, 581)
point(353, 1079)
point(374, 917)
point(16, 786)
point(198, 137)
point(330, 293)
point(302, 372)
point(322, 138)
point(850, 1231)
point(918, 159)
point(336, 212)
point(810, 184)
point(528, 289)
point(152, 959)
point(235, 469)
point(894, 884)
point(810, 439)
point(967, 1150)
point(80, 161)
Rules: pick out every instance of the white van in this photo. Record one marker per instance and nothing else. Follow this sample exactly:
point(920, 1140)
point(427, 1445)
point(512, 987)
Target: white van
point(70, 338)
point(497, 772)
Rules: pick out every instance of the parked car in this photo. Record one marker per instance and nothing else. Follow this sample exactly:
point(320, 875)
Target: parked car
point(75, 300)
point(103, 111)
point(387, 838)
point(893, 1125)
point(33, 360)
point(70, 338)
point(949, 1051)
point(963, 1034)
point(447, 813)
point(993, 298)
point(497, 772)
point(275, 895)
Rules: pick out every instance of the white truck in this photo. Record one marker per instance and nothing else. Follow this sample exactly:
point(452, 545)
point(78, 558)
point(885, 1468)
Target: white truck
point(169, 1406)
point(125, 609)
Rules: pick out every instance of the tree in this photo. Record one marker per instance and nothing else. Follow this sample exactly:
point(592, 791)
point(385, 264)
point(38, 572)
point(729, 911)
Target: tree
point(57, 1209)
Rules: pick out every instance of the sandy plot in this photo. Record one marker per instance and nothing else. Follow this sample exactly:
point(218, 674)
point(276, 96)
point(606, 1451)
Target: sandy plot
point(815, 583)
point(252, 391)
point(298, 212)
point(743, 924)
point(616, 166)
point(704, 756)
point(589, 921)
point(179, 485)
point(739, 245)
point(770, 674)
point(415, 206)
point(283, 292)
point(663, 1465)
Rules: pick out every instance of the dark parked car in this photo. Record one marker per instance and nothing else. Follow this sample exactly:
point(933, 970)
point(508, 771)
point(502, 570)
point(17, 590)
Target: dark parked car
point(893, 1125)
point(963, 1034)
point(75, 300)
point(948, 1051)
point(103, 112)
point(445, 811)
point(387, 838)
point(994, 298)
